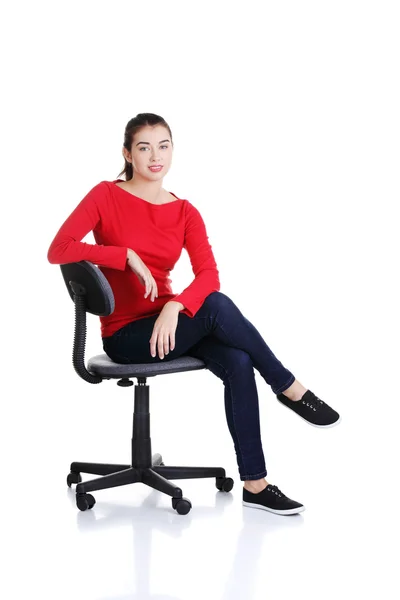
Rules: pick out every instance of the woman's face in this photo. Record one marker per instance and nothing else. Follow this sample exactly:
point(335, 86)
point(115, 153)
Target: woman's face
point(151, 146)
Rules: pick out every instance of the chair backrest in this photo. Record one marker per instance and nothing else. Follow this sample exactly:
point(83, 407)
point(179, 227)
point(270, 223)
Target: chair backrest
point(91, 292)
point(99, 297)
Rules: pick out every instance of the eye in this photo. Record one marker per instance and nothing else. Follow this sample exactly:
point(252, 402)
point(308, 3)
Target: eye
point(145, 147)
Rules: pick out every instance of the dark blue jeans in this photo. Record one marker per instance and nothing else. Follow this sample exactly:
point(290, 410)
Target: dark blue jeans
point(230, 347)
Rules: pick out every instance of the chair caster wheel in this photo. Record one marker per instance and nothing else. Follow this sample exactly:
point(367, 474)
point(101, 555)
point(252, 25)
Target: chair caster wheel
point(85, 501)
point(73, 478)
point(181, 505)
point(157, 460)
point(224, 484)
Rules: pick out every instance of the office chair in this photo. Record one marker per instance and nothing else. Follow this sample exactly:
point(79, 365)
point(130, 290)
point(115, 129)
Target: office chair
point(91, 292)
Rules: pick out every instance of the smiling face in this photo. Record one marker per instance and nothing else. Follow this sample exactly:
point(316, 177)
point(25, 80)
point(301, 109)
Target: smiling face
point(151, 146)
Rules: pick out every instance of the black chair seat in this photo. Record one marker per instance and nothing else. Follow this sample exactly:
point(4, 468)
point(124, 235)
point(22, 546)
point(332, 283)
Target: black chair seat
point(102, 365)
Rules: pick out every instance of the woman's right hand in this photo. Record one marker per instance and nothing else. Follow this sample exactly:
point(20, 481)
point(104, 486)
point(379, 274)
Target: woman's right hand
point(143, 273)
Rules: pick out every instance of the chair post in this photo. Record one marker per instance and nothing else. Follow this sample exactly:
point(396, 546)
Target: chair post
point(141, 441)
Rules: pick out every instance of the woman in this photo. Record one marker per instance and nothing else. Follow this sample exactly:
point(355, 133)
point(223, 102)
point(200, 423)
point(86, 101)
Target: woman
point(140, 230)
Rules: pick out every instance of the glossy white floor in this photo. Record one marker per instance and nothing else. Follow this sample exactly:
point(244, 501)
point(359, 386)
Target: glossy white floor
point(132, 544)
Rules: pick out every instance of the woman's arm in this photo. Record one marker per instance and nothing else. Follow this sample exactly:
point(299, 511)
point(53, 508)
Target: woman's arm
point(202, 260)
point(67, 246)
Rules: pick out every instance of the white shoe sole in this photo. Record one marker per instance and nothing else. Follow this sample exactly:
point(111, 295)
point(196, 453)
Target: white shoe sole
point(288, 511)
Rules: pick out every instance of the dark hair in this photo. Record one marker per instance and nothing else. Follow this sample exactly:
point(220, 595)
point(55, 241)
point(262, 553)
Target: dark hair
point(133, 126)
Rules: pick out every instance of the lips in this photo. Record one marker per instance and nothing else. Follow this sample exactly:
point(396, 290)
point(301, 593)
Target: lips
point(156, 167)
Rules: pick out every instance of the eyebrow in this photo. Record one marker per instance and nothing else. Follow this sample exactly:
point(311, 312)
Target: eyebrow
point(149, 143)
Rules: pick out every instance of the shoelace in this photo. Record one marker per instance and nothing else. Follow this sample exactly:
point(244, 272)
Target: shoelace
point(275, 490)
point(315, 399)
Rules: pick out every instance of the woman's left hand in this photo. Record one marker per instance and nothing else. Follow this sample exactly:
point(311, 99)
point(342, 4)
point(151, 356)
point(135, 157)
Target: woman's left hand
point(164, 329)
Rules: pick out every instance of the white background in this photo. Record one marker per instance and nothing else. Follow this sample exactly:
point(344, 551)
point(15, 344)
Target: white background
point(285, 121)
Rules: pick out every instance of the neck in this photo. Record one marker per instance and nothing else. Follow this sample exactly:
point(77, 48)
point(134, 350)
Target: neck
point(151, 190)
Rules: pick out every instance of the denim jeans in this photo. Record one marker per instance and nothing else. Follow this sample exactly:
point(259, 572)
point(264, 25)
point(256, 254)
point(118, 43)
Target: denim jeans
point(231, 347)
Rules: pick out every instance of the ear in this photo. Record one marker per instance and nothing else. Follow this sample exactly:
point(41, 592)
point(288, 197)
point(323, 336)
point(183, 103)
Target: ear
point(126, 155)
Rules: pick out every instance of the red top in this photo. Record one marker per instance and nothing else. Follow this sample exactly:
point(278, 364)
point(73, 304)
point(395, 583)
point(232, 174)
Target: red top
point(156, 232)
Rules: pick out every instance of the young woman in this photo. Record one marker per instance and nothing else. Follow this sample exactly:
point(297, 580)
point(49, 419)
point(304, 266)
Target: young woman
point(140, 229)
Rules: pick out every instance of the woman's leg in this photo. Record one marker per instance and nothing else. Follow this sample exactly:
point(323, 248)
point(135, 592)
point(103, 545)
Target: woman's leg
point(223, 320)
point(235, 368)
point(231, 346)
point(218, 317)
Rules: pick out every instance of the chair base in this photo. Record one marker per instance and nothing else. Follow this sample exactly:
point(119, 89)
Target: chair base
point(145, 467)
point(155, 476)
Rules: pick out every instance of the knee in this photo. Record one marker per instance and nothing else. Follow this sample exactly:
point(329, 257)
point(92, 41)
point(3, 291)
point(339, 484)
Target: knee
point(242, 359)
point(239, 364)
point(218, 300)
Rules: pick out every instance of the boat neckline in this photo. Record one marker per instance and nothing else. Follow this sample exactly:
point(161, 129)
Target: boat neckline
point(114, 181)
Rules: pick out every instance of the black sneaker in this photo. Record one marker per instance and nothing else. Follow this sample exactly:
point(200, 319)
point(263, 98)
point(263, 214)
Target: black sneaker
point(312, 409)
point(271, 498)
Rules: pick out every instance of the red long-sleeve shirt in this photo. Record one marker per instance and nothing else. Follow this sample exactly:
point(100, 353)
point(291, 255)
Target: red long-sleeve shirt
point(156, 232)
